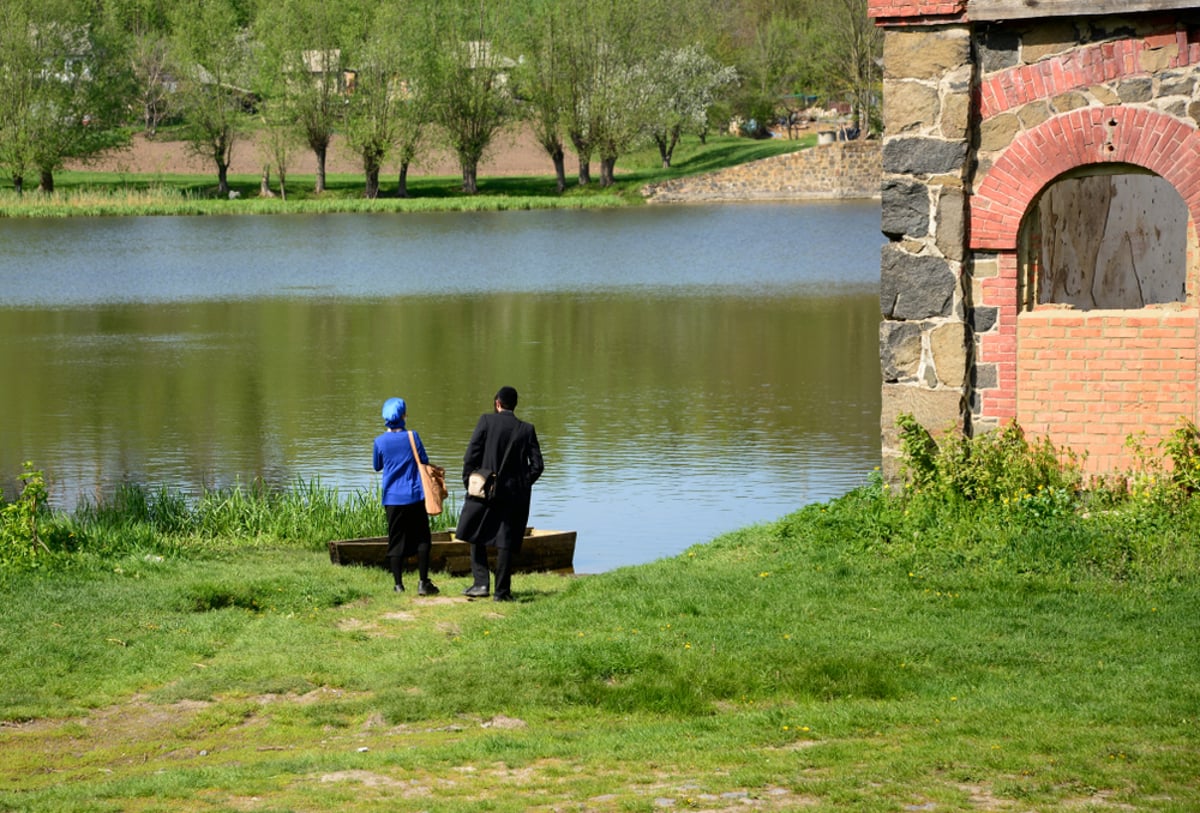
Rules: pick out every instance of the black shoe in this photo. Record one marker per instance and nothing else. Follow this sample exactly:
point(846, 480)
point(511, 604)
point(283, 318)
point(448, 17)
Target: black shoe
point(398, 588)
point(427, 588)
point(503, 597)
point(476, 591)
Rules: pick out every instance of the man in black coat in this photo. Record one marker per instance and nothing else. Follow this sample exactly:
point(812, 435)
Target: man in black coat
point(509, 447)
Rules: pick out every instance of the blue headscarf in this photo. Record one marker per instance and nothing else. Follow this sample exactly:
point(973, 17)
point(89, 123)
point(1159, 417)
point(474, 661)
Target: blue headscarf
point(393, 412)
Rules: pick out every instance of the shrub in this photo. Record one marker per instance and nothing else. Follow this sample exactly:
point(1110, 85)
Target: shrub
point(21, 521)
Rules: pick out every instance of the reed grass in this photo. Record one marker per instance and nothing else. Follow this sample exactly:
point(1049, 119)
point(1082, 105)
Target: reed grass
point(136, 520)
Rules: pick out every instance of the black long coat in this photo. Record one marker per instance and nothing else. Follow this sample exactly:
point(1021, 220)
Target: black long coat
point(501, 522)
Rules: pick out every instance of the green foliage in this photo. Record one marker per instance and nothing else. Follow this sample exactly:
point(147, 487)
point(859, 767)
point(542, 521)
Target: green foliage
point(20, 541)
point(993, 466)
point(1183, 448)
point(1002, 504)
point(154, 523)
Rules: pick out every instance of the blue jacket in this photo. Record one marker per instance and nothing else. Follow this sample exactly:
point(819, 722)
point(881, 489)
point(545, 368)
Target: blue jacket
point(401, 477)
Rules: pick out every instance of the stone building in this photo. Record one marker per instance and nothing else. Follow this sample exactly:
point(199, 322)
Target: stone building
point(1041, 182)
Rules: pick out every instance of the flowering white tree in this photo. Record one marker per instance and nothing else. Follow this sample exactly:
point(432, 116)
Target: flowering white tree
point(682, 85)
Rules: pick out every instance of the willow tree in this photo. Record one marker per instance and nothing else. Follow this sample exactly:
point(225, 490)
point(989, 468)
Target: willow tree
point(304, 60)
point(61, 89)
point(466, 79)
point(213, 57)
point(540, 83)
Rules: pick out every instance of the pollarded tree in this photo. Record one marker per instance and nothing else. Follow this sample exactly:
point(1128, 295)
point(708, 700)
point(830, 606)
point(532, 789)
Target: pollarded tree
point(61, 88)
point(465, 76)
point(540, 83)
point(303, 63)
point(213, 55)
point(683, 85)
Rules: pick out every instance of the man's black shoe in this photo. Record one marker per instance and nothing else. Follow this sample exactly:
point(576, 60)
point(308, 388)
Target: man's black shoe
point(427, 588)
point(504, 597)
point(476, 592)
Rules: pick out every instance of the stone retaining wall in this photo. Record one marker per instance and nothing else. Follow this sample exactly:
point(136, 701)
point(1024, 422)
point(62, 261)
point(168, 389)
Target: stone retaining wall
point(849, 169)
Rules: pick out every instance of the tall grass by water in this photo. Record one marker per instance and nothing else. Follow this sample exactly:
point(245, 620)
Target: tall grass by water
point(998, 635)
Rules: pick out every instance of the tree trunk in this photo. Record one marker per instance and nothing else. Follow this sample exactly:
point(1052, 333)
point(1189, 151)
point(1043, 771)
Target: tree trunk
point(402, 183)
point(19, 184)
point(608, 169)
point(282, 183)
point(47, 183)
point(470, 184)
point(560, 170)
point(372, 186)
point(320, 185)
point(264, 186)
point(222, 179)
point(672, 143)
point(584, 150)
point(663, 152)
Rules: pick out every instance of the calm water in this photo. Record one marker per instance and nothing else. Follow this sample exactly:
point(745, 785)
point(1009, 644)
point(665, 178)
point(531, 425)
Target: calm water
point(690, 370)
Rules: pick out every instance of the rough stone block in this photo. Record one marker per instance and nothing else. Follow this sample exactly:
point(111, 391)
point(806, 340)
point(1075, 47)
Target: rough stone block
point(899, 350)
point(1048, 39)
point(983, 319)
point(1071, 100)
point(923, 156)
point(913, 286)
point(1138, 89)
point(924, 54)
point(948, 346)
point(908, 106)
point(905, 208)
point(939, 411)
point(951, 234)
point(956, 116)
point(999, 49)
point(998, 132)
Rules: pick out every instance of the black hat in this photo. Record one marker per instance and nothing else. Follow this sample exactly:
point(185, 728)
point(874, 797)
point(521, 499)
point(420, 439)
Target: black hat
point(507, 396)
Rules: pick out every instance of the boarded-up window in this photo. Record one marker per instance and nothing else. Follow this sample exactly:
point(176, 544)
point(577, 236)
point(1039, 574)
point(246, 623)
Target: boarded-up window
point(1106, 242)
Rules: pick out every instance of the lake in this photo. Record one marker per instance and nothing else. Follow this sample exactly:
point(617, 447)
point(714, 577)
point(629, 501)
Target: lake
point(690, 370)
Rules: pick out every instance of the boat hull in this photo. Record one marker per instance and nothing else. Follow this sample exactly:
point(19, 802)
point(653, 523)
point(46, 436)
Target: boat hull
point(541, 551)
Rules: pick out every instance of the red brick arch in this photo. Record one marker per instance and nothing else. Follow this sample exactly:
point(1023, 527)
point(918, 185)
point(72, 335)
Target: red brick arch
point(1092, 135)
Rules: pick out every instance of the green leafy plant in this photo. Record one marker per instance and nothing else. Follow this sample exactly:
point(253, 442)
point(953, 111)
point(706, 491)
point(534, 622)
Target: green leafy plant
point(1183, 448)
point(20, 541)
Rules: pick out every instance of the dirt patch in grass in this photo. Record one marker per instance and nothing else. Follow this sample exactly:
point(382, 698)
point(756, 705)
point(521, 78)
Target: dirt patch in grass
point(514, 152)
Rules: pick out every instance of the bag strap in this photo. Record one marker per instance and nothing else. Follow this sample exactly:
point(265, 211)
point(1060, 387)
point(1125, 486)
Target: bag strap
point(413, 443)
point(507, 449)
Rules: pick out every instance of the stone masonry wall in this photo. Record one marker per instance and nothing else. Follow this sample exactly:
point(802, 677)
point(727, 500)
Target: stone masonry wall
point(925, 337)
point(839, 170)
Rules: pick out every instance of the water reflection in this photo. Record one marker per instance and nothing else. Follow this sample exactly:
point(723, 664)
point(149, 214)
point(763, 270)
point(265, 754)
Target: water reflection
point(689, 372)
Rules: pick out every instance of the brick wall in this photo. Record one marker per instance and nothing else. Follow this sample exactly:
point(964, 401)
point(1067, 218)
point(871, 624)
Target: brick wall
point(903, 9)
point(1090, 380)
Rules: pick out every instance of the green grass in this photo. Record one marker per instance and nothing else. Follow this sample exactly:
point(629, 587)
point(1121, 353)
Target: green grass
point(106, 194)
point(858, 655)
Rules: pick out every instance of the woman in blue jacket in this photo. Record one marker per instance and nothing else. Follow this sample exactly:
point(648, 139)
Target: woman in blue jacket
point(404, 496)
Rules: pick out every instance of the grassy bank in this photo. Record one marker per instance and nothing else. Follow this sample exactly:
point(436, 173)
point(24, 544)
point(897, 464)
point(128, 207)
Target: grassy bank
point(1031, 649)
point(112, 193)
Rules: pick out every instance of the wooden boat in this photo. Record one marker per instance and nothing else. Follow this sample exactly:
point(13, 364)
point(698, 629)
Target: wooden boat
point(541, 551)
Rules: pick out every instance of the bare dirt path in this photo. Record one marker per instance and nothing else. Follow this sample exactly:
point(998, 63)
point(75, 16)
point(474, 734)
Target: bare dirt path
point(513, 153)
